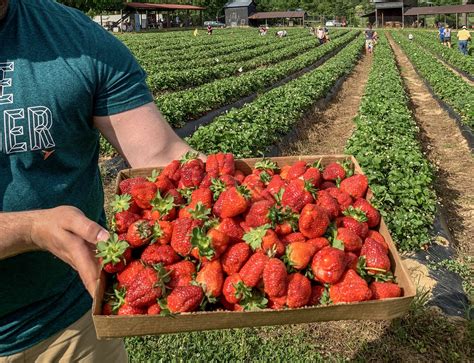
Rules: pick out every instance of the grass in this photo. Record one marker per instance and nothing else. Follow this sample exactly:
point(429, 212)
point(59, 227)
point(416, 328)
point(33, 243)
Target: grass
point(463, 267)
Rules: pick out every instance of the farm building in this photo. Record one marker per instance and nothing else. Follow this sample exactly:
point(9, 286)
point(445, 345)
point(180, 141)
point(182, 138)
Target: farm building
point(237, 12)
point(289, 18)
point(389, 13)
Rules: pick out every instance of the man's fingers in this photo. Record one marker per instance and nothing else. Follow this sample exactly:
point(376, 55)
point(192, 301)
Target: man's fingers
point(77, 223)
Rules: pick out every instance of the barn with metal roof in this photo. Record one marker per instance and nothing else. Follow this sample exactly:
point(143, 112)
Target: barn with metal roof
point(237, 12)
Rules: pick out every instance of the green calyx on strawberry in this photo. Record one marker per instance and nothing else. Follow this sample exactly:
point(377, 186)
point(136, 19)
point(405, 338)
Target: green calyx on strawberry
point(254, 237)
point(358, 214)
point(242, 291)
point(112, 250)
point(266, 164)
point(311, 189)
point(154, 176)
point(279, 215)
point(157, 232)
point(190, 155)
point(201, 241)
point(279, 196)
point(116, 298)
point(381, 275)
point(265, 177)
point(256, 301)
point(217, 187)
point(121, 203)
point(162, 205)
point(163, 277)
point(186, 193)
point(200, 212)
point(331, 235)
point(325, 299)
point(316, 164)
point(244, 191)
point(348, 167)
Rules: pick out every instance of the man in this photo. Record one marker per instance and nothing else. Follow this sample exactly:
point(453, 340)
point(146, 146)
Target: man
point(441, 33)
point(62, 80)
point(463, 37)
point(281, 33)
point(369, 38)
point(321, 35)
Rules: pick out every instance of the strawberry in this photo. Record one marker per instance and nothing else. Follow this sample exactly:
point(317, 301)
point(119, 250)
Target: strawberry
point(184, 299)
point(173, 171)
point(272, 245)
point(143, 193)
point(139, 233)
point(232, 228)
point(297, 170)
point(126, 185)
point(298, 254)
point(157, 253)
point(201, 195)
point(220, 164)
point(376, 259)
point(123, 220)
point(275, 185)
point(147, 287)
point(314, 221)
point(327, 185)
point(351, 241)
point(162, 232)
point(351, 260)
point(234, 289)
point(129, 274)
point(328, 265)
point(178, 199)
point(284, 171)
point(239, 176)
point(180, 273)
point(252, 181)
point(154, 309)
point(299, 290)
point(265, 166)
point(181, 237)
point(351, 288)
point(127, 309)
point(258, 214)
point(277, 303)
point(211, 279)
point(265, 240)
point(355, 185)
point(313, 175)
point(297, 194)
point(162, 208)
point(235, 257)
point(372, 214)
point(385, 290)
point(164, 184)
point(328, 203)
point(217, 185)
point(355, 220)
point(343, 199)
point(317, 292)
point(256, 187)
point(113, 254)
point(192, 170)
point(319, 243)
point(275, 278)
point(107, 309)
point(293, 237)
point(232, 202)
point(210, 245)
point(113, 300)
point(379, 238)
point(334, 171)
point(252, 271)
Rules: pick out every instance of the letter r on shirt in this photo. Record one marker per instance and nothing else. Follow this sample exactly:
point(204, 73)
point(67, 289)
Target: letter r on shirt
point(5, 98)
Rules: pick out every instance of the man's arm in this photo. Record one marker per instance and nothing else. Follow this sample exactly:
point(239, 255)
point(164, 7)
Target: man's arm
point(142, 136)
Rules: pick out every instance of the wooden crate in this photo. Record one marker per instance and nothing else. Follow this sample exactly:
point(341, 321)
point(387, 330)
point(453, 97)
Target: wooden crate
point(122, 326)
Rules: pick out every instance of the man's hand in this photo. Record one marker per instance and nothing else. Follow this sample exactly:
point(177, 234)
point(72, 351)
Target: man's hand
point(68, 234)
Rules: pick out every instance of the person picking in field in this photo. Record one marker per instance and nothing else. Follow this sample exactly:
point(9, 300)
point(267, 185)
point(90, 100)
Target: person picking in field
point(447, 36)
point(321, 35)
point(63, 81)
point(463, 38)
point(369, 38)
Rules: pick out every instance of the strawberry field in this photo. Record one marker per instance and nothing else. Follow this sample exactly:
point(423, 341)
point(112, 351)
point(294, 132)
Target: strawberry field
point(409, 127)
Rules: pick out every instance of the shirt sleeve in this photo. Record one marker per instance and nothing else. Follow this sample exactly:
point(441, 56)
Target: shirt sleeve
point(120, 81)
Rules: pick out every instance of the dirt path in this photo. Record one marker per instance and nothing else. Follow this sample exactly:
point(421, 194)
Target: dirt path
point(447, 149)
point(326, 130)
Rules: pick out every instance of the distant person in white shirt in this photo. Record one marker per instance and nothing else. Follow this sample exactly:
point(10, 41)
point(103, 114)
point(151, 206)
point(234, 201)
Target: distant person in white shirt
point(281, 33)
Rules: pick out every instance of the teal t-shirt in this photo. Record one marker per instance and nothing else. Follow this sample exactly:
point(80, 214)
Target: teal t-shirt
point(57, 70)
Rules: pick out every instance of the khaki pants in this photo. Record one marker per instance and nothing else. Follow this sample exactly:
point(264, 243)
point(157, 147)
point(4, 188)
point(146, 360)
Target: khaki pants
point(77, 343)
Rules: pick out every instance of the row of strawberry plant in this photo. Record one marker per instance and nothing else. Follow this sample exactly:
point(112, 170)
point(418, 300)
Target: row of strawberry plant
point(449, 55)
point(447, 85)
point(254, 128)
point(187, 78)
point(182, 106)
point(385, 144)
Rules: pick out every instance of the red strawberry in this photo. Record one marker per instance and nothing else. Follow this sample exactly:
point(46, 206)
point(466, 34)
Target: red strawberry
point(297, 194)
point(275, 185)
point(373, 215)
point(184, 299)
point(327, 185)
point(173, 171)
point(157, 253)
point(314, 221)
point(385, 290)
point(139, 233)
point(143, 193)
point(299, 291)
point(343, 199)
point(147, 287)
point(328, 265)
point(356, 185)
point(252, 271)
point(258, 214)
point(162, 232)
point(275, 278)
point(299, 254)
point(162, 208)
point(164, 184)
point(218, 185)
point(232, 228)
point(317, 292)
point(265, 240)
point(313, 175)
point(379, 238)
point(351, 260)
point(123, 220)
point(113, 254)
point(126, 185)
point(328, 203)
point(351, 241)
point(211, 279)
point(277, 303)
point(293, 237)
point(192, 171)
point(181, 273)
point(178, 199)
point(129, 274)
point(284, 229)
point(252, 181)
point(376, 259)
point(210, 245)
point(127, 309)
point(239, 176)
point(318, 243)
point(297, 170)
point(154, 309)
point(234, 289)
point(107, 309)
point(235, 257)
point(123, 214)
point(181, 237)
point(355, 220)
point(351, 288)
point(232, 202)
point(284, 171)
point(201, 195)
point(334, 171)
point(220, 164)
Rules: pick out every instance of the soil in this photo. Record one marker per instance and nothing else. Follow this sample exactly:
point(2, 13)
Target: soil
point(326, 130)
point(448, 151)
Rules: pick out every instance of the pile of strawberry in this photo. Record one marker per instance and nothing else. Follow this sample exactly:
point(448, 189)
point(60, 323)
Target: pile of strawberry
point(205, 236)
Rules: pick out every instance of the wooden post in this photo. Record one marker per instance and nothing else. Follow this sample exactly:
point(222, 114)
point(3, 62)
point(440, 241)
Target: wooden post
point(376, 18)
point(403, 16)
point(456, 20)
point(383, 23)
